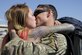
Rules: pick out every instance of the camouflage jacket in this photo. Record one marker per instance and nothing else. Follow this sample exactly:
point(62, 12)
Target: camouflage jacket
point(57, 42)
point(53, 43)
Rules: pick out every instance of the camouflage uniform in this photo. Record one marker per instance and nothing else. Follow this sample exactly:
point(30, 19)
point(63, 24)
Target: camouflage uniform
point(52, 44)
point(18, 46)
point(57, 42)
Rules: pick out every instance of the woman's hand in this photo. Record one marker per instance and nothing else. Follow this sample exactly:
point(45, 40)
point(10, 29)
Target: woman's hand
point(13, 34)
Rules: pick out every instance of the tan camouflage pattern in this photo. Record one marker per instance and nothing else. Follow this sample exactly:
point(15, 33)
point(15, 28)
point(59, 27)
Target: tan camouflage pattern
point(57, 42)
point(53, 43)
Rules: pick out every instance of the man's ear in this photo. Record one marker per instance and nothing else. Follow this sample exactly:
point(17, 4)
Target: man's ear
point(49, 13)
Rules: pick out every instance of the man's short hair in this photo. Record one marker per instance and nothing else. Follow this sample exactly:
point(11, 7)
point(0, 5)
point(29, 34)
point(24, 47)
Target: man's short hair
point(55, 14)
point(49, 7)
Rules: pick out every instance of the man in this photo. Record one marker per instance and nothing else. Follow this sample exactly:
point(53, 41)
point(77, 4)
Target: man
point(47, 17)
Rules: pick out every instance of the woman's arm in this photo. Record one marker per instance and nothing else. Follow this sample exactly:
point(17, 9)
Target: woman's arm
point(5, 40)
point(44, 30)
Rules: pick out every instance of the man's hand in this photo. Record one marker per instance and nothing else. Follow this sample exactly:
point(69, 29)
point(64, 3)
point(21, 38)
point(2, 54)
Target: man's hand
point(57, 23)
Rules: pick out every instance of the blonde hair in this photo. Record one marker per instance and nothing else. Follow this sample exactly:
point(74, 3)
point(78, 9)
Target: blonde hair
point(17, 14)
point(8, 15)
